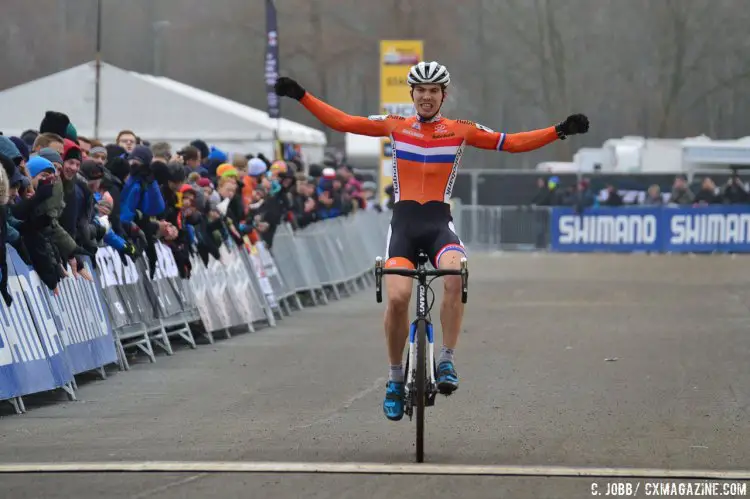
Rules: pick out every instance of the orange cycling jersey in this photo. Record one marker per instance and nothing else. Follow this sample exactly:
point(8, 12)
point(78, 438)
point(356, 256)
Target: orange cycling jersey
point(426, 154)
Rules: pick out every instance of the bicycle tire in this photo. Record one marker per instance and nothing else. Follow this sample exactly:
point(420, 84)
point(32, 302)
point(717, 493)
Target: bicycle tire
point(421, 383)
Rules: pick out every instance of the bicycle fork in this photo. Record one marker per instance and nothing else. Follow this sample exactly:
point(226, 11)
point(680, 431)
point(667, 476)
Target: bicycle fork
point(410, 391)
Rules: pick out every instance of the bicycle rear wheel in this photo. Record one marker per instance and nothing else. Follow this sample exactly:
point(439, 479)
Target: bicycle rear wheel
point(421, 383)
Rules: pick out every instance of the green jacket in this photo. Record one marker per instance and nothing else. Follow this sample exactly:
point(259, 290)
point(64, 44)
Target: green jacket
point(53, 208)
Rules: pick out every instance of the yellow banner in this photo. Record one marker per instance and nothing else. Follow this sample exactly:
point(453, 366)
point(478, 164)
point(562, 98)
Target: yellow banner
point(396, 57)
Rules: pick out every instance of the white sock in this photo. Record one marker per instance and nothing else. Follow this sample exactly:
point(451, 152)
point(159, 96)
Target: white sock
point(396, 373)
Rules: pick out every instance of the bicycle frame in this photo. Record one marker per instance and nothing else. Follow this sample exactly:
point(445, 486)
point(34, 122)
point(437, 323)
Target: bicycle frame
point(422, 314)
point(420, 387)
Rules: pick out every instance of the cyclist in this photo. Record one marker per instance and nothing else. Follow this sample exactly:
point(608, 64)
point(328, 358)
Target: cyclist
point(427, 149)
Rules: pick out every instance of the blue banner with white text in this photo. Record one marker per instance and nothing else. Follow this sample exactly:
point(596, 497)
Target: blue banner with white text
point(45, 339)
point(701, 229)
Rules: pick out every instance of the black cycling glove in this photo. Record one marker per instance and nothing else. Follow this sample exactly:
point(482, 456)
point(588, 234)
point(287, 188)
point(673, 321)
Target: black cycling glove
point(287, 87)
point(573, 124)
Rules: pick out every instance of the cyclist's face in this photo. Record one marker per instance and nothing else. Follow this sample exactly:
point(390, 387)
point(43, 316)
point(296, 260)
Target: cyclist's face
point(427, 99)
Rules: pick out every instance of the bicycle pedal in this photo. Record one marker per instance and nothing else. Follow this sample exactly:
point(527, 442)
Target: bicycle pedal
point(446, 390)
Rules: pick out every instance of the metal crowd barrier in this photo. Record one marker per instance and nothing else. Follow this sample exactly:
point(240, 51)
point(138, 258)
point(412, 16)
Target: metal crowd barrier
point(514, 228)
point(46, 340)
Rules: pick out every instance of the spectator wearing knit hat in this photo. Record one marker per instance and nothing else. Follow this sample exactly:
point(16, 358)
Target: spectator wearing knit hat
point(48, 244)
point(98, 225)
point(141, 196)
point(78, 214)
point(141, 201)
point(53, 156)
point(71, 186)
point(55, 122)
point(98, 154)
point(29, 136)
point(13, 175)
point(23, 149)
point(9, 149)
point(72, 157)
point(329, 195)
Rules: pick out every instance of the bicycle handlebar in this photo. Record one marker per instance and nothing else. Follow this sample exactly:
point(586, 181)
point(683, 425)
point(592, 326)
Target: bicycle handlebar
point(425, 272)
point(421, 272)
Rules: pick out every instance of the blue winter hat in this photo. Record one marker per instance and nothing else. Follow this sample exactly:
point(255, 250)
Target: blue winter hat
point(142, 154)
point(218, 154)
point(38, 164)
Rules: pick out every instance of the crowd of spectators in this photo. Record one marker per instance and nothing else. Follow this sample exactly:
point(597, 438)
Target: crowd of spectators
point(62, 196)
point(702, 192)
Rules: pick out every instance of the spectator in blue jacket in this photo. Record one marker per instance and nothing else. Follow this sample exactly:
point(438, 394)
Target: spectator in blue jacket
point(140, 196)
point(329, 195)
point(141, 201)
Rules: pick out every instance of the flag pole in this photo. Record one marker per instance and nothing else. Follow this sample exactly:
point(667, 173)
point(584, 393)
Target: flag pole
point(98, 67)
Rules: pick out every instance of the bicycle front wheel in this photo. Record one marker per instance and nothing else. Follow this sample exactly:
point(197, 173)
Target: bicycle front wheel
point(421, 383)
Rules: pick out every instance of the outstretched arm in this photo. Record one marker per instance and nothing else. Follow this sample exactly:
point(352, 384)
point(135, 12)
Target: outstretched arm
point(484, 138)
point(329, 115)
point(342, 122)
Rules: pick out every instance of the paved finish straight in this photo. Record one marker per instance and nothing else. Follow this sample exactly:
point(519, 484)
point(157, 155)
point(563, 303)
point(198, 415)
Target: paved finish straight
point(566, 360)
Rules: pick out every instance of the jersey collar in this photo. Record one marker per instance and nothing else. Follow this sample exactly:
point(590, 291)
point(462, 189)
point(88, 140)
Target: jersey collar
point(434, 119)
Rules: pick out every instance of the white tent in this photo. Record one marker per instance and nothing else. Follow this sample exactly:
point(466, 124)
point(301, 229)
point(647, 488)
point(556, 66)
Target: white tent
point(156, 108)
point(363, 151)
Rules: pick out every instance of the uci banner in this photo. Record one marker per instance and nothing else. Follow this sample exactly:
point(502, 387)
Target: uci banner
point(396, 57)
point(705, 229)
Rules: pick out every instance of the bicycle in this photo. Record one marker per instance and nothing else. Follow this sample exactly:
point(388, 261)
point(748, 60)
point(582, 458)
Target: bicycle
point(420, 391)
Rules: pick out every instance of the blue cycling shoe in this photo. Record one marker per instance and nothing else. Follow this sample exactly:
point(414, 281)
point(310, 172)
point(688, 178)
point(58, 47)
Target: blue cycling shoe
point(393, 405)
point(447, 378)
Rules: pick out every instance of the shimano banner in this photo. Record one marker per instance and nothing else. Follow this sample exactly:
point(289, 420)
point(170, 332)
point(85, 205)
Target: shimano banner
point(603, 229)
point(705, 229)
point(722, 228)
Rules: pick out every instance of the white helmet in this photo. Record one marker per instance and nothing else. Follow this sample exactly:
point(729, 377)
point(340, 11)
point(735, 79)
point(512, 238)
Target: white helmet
point(428, 73)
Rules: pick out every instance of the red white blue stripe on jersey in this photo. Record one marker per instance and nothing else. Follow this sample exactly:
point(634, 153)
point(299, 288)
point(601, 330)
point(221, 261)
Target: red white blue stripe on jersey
point(436, 151)
point(500, 142)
